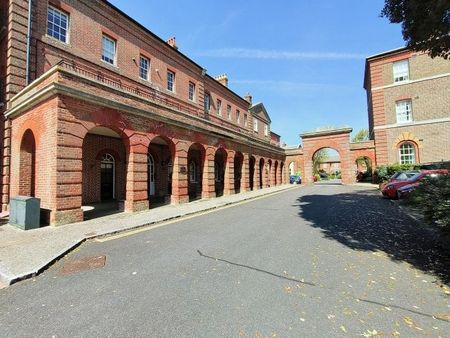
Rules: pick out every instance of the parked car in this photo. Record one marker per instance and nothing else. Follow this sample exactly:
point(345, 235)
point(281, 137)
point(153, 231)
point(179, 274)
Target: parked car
point(390, 190)
point(405, 191)
point(295, 179)
point(402, 175)
point(323, 175)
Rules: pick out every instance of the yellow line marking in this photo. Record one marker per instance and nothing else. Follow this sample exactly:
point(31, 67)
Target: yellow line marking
point(130, 232)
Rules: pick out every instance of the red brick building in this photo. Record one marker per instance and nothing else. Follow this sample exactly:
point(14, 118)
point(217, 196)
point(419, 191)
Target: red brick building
point(408, 99)
point(98, 108)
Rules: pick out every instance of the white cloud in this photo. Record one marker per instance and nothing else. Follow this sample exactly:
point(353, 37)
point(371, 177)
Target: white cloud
point(290, 86)
point(248, 53)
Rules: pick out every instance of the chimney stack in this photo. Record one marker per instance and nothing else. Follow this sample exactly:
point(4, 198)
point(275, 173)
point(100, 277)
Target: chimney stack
point(172, 42)
point(248, 98)
point(223, 79)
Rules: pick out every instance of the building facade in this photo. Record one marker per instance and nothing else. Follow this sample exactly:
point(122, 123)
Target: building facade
point(98, 108)
point(408, 99)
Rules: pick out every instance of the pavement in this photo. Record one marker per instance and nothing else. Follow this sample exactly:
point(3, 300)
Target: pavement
point(23, 254)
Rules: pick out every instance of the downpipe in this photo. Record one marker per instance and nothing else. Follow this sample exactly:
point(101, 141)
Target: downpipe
point(27, 71)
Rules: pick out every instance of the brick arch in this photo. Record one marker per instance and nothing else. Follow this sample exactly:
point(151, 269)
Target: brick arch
point(27, 169)
point(220, 166)
point(337, 139)
point(93, 147)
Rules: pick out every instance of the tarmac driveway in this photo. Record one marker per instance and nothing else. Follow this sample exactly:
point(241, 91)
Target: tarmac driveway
point(316, 261)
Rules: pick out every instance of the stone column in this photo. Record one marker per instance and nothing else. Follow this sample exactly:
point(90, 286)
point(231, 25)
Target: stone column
point(208, 183)
point(136, 185)
point(228, 187)
point(245, 173)
point(180, 191)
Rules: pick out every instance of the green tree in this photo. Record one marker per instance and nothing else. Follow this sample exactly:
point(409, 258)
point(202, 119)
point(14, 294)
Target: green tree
point(362, 135)
point(318, 157)
point(425, 24)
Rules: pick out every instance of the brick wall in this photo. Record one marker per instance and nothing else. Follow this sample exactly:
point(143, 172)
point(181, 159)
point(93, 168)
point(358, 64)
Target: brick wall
point(94, 146)
point(428, 91)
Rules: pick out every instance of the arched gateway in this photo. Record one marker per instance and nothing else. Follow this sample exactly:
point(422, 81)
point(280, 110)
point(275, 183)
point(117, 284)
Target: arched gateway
point(339, 140)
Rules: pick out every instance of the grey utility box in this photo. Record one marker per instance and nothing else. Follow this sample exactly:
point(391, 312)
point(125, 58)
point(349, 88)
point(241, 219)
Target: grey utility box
point(25, 212)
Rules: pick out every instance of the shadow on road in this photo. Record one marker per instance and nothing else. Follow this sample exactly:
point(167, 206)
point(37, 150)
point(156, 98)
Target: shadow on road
point(364, 221)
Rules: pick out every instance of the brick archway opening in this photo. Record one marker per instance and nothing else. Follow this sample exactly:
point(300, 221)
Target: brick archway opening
point(159, 171)
point(238, 161)
point(252, 163)
point(337, 139)
point(364, 169)
point(27, 174)
point(261, 173)
point(104, 172)
point(275, 174)
point(327, 165)
point(220, 160)
point(196, 160)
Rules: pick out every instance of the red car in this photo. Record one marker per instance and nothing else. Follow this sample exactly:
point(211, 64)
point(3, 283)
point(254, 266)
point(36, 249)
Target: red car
point(391, 188)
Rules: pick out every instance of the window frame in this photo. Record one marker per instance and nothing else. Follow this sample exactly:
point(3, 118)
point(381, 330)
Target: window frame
point(67, 28)
point(207, 103)
point(171, 84)
point(191, 85)
point(402, 112)
point(255, 125)
point(238, 116)
point(109, 38)
point(407, 158)
point(401, 76)
point(219, 107)
point(266, 130)
point(147, 78)
point(193, 178)
point(229, 117)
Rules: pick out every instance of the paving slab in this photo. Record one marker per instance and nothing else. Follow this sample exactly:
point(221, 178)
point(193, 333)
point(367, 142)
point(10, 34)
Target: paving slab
point(24, 254)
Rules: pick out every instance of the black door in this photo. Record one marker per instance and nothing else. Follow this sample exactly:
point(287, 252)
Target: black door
point(107, 181)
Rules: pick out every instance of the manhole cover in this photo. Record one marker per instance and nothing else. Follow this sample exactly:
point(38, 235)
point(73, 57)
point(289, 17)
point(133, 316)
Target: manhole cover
point(87, 263)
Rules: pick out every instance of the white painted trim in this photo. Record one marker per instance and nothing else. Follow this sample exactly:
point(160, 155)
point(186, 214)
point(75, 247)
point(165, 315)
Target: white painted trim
point(413, 123)
point(407, 82)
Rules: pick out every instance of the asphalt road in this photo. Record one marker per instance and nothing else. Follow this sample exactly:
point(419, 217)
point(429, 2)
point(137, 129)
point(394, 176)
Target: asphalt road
point(319, 261)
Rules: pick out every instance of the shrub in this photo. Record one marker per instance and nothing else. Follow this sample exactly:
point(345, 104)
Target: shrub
point(432, 197)
point(384, 172)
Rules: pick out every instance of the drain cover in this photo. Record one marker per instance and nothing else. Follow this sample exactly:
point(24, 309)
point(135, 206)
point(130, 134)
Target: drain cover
point(87, 263)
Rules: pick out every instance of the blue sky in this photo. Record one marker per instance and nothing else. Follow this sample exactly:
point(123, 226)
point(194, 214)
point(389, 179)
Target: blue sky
point(303, 59)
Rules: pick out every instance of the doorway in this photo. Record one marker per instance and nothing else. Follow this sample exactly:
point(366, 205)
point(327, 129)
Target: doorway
point(107, 177)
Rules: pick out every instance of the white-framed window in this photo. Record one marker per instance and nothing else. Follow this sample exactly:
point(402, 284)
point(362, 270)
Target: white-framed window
point(403, 110)
point(228, 112)
point(219, 107)
point(191, 92)
point(255, 124)
point(109, 47)
point(238, 117)
point(245, 120)
point(266, 130)
point(401, 70)
point(407, 153)
point(207, 102)
point(58, 24)
point(144, 66)
point(170, 81)
point(192, 172)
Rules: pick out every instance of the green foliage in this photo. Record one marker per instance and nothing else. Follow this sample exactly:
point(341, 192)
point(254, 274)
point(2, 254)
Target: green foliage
point(320, 156)
point(432, 197)
point(298, 173)
point(384, 172)
point(362, 135)
point(425, 24)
